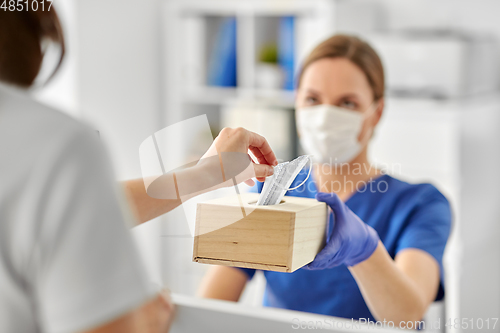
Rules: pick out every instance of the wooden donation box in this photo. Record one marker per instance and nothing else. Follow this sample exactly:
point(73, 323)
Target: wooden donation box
point(233, 231)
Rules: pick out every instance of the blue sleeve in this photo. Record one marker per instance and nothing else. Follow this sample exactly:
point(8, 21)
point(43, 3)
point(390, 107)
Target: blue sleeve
point(257, 188)
point(248, 271)
point(429, 228)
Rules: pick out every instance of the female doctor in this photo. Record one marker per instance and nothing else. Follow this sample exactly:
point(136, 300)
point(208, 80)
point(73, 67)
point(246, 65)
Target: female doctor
point(67, 261)
point(383, 255)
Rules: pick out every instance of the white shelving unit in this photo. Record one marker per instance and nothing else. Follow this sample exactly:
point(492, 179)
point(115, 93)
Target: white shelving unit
point(200, 21)
point(189, 33)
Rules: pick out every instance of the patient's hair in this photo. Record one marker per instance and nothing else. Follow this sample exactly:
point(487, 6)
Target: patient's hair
point(21, 36)
point(357, 51)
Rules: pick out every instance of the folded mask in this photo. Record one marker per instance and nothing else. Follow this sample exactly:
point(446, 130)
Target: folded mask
point(278, 184)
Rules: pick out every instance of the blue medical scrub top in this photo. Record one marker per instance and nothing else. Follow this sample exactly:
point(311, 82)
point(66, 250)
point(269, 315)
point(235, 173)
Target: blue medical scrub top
point(404, 216)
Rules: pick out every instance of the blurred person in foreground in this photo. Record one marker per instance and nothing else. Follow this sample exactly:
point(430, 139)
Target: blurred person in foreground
point(67, 260)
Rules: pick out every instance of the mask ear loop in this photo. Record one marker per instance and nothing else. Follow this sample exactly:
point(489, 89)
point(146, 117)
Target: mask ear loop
point(372, 108)
point(371, 111)
point(304, 181)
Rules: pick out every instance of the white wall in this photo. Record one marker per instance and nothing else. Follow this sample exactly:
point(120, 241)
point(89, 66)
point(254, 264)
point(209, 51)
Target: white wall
point(119, 86)
point(119, 74)
point(62, 91)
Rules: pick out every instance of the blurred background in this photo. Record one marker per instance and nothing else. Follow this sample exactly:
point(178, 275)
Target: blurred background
point(134, 68)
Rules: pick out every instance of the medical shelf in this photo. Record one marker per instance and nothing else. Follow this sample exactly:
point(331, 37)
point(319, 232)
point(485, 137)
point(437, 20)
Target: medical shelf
point(191, 28)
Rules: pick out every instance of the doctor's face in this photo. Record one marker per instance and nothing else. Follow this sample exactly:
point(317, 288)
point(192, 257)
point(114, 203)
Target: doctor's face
point(339, 82)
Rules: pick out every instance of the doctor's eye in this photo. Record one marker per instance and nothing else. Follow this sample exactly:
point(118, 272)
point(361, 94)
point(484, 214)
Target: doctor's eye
point(311, 100)
point(349, 105)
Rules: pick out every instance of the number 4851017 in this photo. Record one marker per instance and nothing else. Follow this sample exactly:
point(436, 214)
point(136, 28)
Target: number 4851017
point(26, 5)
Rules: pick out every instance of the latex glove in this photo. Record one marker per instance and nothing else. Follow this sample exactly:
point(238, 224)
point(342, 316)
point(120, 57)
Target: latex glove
point(351, 241)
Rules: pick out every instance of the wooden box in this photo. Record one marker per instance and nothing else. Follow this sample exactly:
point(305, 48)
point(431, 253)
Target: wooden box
point(233, 231)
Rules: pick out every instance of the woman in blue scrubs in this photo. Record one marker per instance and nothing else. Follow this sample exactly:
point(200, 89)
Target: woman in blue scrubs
point(386, 238)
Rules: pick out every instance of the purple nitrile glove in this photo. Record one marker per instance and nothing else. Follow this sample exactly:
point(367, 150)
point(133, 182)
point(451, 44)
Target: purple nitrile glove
point(351, 241)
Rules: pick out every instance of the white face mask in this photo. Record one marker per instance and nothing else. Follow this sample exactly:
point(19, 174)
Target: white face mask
point(330, 133)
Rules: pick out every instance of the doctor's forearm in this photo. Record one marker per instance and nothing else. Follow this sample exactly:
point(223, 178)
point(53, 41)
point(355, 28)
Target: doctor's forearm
point(388, 292)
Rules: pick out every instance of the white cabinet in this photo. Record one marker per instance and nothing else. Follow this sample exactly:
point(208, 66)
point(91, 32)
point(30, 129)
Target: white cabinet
point(455, 145)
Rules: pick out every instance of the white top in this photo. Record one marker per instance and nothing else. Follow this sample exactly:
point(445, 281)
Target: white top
point(67, 260)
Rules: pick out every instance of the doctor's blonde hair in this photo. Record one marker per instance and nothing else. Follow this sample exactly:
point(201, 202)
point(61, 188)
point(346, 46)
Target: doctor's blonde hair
point(358, 52)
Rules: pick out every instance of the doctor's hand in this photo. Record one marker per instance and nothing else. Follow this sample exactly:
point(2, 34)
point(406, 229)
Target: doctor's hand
point(233, 144)
point(351, 241)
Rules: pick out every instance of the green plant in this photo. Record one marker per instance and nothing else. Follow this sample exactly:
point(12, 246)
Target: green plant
point(269, 53)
